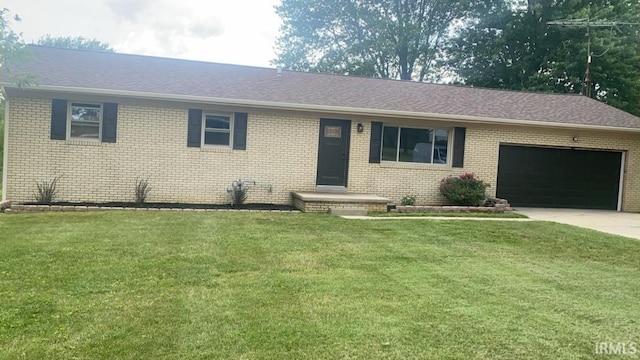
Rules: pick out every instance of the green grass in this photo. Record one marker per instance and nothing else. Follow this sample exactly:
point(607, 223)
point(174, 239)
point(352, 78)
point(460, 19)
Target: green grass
point(438, 214)
point(177, 285)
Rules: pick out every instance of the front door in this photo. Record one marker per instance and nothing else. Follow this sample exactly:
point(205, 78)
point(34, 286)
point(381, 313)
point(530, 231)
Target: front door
point(333, 152)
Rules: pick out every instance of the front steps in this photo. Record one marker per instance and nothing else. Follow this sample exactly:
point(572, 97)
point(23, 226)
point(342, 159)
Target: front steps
point(338, 203)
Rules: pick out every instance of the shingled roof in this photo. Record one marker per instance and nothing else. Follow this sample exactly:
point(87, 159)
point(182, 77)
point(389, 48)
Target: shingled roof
point(183, 78)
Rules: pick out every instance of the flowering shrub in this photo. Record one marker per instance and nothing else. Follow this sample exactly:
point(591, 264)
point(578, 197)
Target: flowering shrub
point(465, 189)
point(408, 200)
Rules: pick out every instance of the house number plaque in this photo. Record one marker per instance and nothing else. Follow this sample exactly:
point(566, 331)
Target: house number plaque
point(333, 131)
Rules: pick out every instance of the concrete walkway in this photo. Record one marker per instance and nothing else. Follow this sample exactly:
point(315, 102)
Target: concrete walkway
point(612, 222)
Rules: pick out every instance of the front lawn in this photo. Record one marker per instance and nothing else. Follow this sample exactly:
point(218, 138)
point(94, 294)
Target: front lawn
point(187, 285)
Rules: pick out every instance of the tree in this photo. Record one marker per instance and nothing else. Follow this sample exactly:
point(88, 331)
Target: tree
point(389, 39)
point(12, 50)
point(78, 43)
point(511, 46)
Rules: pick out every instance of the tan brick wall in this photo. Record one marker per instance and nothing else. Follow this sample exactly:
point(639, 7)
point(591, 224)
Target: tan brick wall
point(281, 154)
point(481, 157)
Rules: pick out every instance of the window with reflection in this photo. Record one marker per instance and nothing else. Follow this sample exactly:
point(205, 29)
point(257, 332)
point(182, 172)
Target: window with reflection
point(216, 129)
point(85, 121)
point(417, 145)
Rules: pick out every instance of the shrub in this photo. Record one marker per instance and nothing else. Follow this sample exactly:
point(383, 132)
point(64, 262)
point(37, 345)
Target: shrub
point(47, 191)
point(408, 200)
point(238, 191)
point(465, 189)
point(142, 190)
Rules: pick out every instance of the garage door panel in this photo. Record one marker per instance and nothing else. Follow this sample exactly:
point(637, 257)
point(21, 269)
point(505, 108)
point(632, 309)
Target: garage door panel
point(551, 177)
point(541, 185)
point(571, 201)
point(571, 186)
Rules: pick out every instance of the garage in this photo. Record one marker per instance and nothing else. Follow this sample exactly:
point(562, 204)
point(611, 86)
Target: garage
point(531, 176)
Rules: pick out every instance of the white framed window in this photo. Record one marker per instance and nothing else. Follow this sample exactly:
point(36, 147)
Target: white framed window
point(217, 129)
point(416, 145)
point(85, 121)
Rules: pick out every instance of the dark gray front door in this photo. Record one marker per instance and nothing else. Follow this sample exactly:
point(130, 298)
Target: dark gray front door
point(333, 152)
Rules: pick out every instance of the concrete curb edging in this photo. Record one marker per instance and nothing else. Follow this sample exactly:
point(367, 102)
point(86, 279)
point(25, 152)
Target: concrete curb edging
point(435, 218)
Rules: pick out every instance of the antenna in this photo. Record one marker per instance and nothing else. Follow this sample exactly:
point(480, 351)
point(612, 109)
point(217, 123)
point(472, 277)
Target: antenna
point(586, 84)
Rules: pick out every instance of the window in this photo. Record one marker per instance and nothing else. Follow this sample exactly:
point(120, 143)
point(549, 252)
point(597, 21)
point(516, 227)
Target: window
point(216, 129)
point(405, 144)
point(86, 121)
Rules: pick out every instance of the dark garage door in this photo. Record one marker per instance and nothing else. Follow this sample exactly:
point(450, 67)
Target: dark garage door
point(559, 178)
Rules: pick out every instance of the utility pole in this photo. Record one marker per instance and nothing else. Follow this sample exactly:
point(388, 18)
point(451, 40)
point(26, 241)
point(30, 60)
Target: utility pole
point(586, 84)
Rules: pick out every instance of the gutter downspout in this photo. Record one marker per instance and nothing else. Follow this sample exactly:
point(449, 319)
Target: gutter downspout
point(5, 155)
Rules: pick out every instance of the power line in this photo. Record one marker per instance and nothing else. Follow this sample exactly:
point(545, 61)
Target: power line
point(586, 85)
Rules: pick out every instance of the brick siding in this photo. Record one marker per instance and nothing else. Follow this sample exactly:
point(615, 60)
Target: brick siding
point(395, 180)
point(281, 157)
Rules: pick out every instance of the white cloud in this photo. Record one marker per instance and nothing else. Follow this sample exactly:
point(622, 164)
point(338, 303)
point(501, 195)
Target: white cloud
point(240, 31)
point(204, 29)
point(127, 9)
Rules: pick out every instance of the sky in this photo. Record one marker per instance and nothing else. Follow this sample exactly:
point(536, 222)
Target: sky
point(226, 31)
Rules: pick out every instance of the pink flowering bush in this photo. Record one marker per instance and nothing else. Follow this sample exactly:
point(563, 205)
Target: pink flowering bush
point(464, 189)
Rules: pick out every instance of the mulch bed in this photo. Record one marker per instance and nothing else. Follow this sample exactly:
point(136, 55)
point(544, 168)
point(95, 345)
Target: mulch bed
point(172, 206)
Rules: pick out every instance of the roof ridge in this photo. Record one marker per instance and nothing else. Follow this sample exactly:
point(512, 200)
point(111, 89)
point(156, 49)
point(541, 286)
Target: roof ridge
point(309, 73)
point(115, 53)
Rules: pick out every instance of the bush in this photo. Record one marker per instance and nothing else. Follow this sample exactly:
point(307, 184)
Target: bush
point(238, 191)
point(465, 190)
point(46, 191)
point(142, 190)
point(408, 200)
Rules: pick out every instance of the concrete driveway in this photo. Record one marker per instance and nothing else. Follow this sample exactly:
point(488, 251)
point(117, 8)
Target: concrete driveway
point(612, 222)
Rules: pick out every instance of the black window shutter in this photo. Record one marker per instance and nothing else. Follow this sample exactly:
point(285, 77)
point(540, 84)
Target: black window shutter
point(58, 119)
point(240, 131)
point(194, 129)
point(459, 134)
point(109, 122)
point(376, 142)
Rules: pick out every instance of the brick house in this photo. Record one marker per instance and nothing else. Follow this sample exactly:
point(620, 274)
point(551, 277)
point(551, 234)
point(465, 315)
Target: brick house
point(103, 120)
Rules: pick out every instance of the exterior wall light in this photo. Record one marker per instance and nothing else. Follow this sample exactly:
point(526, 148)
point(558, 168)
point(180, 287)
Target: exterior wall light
point(360, 127)
point(575, 139)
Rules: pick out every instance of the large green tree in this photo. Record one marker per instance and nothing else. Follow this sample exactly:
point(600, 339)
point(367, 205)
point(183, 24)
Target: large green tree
point(12, 50)
point(12, 47)
point(78, 43)
point(512, 46)
point(382, 38)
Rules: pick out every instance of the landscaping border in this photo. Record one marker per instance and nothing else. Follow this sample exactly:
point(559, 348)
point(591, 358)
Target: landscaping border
point(48, 208)
point(4, 205)
point(500, 206)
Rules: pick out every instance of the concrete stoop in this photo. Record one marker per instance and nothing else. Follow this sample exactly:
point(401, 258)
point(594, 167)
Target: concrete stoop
point(339, 203)
point(348, 212)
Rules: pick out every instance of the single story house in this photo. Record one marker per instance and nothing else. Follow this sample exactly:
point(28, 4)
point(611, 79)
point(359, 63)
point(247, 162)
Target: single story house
point(103, 120)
